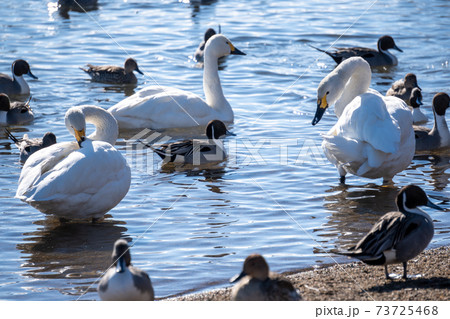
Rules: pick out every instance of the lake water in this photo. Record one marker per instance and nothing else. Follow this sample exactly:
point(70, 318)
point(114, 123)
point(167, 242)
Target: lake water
point(276, 195)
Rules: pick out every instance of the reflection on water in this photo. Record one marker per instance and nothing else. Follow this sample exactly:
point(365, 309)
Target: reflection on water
point(69, 250)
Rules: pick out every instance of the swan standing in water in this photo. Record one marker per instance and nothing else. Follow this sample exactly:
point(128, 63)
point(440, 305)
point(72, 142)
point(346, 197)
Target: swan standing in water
point(159, 107)
point(78, 180)
point(374, 136)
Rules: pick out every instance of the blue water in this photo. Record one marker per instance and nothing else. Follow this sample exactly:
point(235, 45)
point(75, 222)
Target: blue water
point(276, 195)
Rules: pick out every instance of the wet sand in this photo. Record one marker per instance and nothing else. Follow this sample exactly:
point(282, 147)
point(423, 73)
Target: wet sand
point(357, 281)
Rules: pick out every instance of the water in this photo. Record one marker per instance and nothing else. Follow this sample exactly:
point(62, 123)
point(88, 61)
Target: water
point(197, 226)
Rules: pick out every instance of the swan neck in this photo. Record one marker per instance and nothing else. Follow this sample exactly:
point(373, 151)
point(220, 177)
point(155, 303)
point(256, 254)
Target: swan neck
point(3, 115)
point(211, 84)
point(357, 76)
point(106, 128)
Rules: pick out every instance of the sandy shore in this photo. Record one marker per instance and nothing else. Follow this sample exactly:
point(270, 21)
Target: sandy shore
point(357, 281)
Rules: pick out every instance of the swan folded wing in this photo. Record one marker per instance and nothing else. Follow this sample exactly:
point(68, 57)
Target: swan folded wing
point(94, 178)
point(161, 107)
point(367, 119)
point(39, 163)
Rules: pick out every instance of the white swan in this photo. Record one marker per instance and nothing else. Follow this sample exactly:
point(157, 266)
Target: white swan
point(374, 136)
point(78, 180)
point(159, 107)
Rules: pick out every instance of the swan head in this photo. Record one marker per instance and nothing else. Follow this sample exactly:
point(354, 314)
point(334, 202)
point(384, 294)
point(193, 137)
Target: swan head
point(219, 46)
point(255, 266)
point(76, 124)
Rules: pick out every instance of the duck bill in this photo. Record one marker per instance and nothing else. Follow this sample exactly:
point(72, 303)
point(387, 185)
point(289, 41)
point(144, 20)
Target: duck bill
point(430, 204)
point(419, 101)
point(397, 48)
point(238, 277)
point(235, 50)
point(139, 71)
point(120, 266)
point(322, 105)
point(228, 133)
point(32, 75)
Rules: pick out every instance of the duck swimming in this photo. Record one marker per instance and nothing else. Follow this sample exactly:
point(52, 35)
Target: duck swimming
point(439, 136)
point(17, 84)
point(415, 101)
point(375, 58)
point(15, 113)
point(398, 236)
point(373, 136)
point(28, 146)
point(159, 107)
point(403, 88)
point(123, 281)
point(196, 152)
point(114, 74)
point(198, 56)
point(256, 283)
point(82, 179)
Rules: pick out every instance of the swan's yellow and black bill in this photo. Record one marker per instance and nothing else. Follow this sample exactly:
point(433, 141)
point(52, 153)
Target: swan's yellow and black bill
point(80, 135)
point(235, 50)
point(322, 105)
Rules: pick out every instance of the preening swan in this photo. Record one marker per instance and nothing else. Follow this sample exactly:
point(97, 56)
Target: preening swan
point(159, 107)
point(373, 136)
point(78, 180)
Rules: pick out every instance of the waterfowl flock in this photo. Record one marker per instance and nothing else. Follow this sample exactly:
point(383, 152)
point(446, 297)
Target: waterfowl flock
point(375, 137)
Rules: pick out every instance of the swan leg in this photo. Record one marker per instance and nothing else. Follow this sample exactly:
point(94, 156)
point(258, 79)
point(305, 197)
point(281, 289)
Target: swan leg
point(342, 179)
point(342, 172)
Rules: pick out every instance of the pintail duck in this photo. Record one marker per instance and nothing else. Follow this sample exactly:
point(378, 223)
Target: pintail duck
point(28, 146)
point(398, 236)
point(375, 58)
point(403, 88)
point(439, 136)
point(415, 101)
point(123, 281)
point(199, 151)
point(17, 84)
point(373, 136)
point(198, 56)
point(15, 113)
point(257, 284)
point(114, 74)
point(159, 107)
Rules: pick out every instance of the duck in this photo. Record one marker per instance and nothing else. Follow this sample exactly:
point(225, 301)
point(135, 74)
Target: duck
point(375, 58)
point(196, 152)
point(82, 179)
point(398, 236)
point(439, 136)
point(122, 281)
point(415, 101)
point(161, 107)
point(28, 146)
point(15, 113)
point(256, 283)
point(198, 56)
point(16, 85)
point(373, 136)
point(403, 88)
point(114, 74)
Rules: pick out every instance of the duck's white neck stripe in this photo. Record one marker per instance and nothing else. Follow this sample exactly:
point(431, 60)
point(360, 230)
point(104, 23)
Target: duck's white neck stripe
point(442, 128)
point(415, 210)
point(24, 88)
point(391, 56)
point(3, 117)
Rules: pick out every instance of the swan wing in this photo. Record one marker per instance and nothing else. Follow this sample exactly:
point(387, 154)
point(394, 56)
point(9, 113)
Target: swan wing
point(159, 107)
point(73, 182)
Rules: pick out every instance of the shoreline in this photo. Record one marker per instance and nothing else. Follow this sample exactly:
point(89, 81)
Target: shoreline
point(357, 281)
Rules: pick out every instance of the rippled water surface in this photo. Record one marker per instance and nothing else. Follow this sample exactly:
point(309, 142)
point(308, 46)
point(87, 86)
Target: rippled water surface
point(276, 195)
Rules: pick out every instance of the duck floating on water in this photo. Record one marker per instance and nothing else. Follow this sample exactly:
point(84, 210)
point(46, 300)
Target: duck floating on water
point(16, 85)
point(114, 74)
point(15, 113)
point(28, 146)
point(403, 88)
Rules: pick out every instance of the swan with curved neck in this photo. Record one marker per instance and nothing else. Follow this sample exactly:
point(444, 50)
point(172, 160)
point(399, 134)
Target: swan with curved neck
point(373, 136)
point(82, 180)
point(160, 107)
